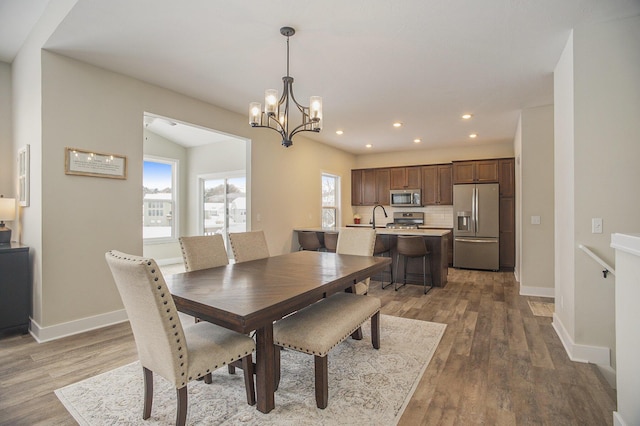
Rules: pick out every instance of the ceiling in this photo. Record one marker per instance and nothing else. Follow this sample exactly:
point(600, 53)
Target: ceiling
point(421, 62)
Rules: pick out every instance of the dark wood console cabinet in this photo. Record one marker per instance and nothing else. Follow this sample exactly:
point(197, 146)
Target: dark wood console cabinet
point(15, 288)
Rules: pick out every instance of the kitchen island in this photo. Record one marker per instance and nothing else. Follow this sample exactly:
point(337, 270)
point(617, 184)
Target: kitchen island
point(435, 239)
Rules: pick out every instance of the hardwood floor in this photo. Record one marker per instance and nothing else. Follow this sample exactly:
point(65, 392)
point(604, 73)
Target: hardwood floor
point(496, 364)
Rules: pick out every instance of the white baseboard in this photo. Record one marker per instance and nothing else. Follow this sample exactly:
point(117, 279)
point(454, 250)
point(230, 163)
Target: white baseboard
point(57, 331)
point(170, 261)
point(617, 419)
point(609, 374)
point(581, 353)
point(537, 291)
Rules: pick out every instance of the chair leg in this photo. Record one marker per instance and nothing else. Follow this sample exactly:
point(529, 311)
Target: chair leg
point(148, 392)
point(247, 368)
point(276, 366)
point(322, 381)
point(357, 335)
point(395, 281)
point(375, 330)
point(232, 369)
point(390, 274)
point(424, 268)
point(208, 378)
point(181, 415)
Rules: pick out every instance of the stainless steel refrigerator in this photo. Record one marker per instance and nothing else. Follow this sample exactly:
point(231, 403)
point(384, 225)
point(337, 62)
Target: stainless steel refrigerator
point(476, 216)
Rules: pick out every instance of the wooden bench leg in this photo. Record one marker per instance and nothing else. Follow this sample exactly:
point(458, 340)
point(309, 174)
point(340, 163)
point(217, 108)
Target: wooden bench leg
point(375, 330)
point(322, 381)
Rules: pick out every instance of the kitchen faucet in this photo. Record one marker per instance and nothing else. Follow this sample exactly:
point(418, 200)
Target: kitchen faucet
point(373, 222)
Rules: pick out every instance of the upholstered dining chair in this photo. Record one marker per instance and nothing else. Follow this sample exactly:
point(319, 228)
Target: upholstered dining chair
point(247, 246)
point(179, 354)
point(330, 241)
point(359, 242)
point(309, 240)
point(203, 251)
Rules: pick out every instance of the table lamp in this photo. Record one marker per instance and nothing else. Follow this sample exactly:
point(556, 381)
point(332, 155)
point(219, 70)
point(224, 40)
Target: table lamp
point(7, 212)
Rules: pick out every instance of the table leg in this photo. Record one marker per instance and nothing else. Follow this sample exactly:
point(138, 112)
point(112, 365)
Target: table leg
point(265, 377)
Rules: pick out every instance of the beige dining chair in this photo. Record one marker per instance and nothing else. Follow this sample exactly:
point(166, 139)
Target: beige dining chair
point(357, 241)
point(179, 354)
point(203, 251)
point(248, 246)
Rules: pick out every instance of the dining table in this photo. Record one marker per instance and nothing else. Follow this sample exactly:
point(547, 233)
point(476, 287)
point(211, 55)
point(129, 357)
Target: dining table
point(250, 296)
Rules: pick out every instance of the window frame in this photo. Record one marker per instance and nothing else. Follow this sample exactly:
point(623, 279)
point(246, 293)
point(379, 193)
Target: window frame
point(175, 200)
point(337, 196)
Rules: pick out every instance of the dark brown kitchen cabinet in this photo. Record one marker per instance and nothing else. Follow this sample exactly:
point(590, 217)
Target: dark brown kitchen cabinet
point(437, 185)
point(356, 187)
point(370, 187)
point(478, 171)
point(383, 184)
point(405, 177)
point(507, 179)
point(507, 233)
point(15, 288)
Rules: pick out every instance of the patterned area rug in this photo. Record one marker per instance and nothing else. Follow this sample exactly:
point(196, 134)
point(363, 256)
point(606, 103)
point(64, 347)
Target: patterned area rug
point(366, 386)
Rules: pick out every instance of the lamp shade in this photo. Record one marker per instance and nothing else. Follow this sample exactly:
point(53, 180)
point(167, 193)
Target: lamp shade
point(7, 208)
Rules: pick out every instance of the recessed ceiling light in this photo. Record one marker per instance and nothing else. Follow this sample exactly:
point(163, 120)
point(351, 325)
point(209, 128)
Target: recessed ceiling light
point(467, 116)
point(397, 124)
point(339, 132)
point(368, 145)
point(417, 140)
point(473, 135)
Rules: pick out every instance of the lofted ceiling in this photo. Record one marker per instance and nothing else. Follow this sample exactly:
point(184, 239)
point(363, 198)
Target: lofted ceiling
point(421, 62)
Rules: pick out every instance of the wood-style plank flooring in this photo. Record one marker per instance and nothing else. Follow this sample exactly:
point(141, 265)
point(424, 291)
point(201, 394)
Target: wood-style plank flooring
point(496, 364)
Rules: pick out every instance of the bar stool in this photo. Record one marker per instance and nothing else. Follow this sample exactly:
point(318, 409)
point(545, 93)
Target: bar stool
point(330, 241)
point(383, 249)
point(309, 240)
point(413, 247)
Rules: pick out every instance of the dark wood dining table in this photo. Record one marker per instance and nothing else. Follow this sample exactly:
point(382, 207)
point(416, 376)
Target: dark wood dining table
point(252, 295)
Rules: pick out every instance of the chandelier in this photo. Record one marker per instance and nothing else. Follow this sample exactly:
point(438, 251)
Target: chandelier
point(276, 112)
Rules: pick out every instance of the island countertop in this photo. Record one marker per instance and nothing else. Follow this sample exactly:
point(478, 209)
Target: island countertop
point(388, 231)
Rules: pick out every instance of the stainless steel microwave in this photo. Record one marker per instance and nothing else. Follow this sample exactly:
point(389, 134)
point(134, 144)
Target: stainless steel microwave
point(405, 198)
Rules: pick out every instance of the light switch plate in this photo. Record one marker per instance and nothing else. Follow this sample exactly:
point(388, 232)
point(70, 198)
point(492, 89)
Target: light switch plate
point(596, 225)
point(535, 220)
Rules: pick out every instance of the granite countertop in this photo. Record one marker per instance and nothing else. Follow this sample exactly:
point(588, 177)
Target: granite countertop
point(440, 232)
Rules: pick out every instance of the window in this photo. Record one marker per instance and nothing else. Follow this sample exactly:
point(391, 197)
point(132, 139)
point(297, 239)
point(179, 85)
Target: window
point(224, 204)
point(159, 199)
point(330, 200)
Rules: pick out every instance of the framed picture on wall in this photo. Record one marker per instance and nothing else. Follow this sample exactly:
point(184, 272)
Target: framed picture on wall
point(23, 176)
point(81, 162)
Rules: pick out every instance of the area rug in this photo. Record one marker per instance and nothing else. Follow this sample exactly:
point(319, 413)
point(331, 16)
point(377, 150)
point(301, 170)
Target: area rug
point(542, 309)
point(366, 386)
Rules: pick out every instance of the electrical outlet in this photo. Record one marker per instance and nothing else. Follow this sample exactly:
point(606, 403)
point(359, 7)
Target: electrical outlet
point(596, 225)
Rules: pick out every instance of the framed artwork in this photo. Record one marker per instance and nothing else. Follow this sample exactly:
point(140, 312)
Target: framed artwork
point(23, 176)
point(90, 163)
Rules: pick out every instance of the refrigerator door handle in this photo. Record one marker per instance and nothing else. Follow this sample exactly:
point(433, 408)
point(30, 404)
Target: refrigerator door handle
point(476, 240)
point(475, 210)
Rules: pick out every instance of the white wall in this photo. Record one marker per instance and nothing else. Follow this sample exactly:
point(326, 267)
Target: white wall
point(7, 187)
point(535, 197)
point(597, 175)
point(435, 156)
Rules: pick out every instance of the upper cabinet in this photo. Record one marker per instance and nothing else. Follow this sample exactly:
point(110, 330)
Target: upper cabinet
point(479, 171)
point(405, 177)
point(370, 187)
point(437, 184)
point(507, 179)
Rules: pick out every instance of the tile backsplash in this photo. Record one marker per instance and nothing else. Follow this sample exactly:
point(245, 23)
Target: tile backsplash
point(441, 216)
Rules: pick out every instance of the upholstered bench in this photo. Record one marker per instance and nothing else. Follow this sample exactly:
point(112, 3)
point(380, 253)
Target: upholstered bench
point(318, 328)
